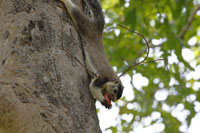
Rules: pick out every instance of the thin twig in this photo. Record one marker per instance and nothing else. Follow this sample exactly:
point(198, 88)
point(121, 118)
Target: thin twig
point(147, 44)
point(189, 21)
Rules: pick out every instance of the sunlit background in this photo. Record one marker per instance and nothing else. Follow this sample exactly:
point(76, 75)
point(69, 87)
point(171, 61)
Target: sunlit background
point(174, 90)
point(111, 117)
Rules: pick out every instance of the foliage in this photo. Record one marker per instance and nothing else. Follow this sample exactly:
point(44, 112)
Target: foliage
point(162, 22)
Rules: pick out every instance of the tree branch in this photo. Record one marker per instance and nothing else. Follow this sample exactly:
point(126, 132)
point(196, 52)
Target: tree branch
point(147, 44)
point(189, 21)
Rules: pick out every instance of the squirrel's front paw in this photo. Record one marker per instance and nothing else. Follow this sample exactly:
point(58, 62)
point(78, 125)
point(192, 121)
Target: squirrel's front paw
point(106, 104)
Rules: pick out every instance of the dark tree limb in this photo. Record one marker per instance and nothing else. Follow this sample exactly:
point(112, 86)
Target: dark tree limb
point(189, 22)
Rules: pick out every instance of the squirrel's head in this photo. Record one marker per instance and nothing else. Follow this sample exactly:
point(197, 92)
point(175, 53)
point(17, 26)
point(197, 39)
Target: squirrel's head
point(111, 89)
point(114, 90)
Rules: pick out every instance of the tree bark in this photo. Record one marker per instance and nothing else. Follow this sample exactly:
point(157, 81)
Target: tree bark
point(43, 89)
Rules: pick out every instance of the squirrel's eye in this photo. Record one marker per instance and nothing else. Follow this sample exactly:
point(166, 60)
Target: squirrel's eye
point(115, 91)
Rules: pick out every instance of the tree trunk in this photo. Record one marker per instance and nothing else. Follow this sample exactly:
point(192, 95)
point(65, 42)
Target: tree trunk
point(43, 89)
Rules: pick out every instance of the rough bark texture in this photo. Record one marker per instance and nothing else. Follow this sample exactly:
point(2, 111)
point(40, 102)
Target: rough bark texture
point(42, 88)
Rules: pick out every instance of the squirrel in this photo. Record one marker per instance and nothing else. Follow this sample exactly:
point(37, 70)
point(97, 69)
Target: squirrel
point(105, 85)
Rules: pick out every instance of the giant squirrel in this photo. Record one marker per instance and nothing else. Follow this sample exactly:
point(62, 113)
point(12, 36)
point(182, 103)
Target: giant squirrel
point(105, 85)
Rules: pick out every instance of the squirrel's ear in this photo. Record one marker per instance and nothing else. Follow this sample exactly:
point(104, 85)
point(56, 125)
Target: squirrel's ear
point(120, 90)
